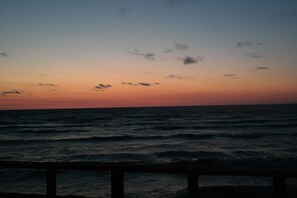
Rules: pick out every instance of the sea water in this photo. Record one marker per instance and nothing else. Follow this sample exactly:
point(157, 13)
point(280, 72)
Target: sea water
point(254, 136)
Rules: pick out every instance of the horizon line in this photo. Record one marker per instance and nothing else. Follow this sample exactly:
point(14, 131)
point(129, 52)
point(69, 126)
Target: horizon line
point(134, 107)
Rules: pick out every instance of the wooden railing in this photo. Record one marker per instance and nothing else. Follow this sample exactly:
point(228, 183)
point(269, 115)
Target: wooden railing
point(117, 174)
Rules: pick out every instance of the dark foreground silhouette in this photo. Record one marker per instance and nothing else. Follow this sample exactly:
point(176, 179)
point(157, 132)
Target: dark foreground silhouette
point(204, 192)
point(279, 189)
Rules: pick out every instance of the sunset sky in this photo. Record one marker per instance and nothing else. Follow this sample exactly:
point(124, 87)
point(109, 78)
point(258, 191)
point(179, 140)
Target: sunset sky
point(125, 53)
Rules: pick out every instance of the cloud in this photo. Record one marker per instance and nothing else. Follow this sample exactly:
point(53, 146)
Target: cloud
point(262, 68)
point(3, 54)
point(124, 11)
point(177, 46)
point(190, 60)
point(168, 50)
point(181, 2)
point(129, 83)
point(172, 76)
point(10, 92)
point(101, 87)
point(232, 76)
point(286, 14)
point(148, 73)
point(248, 44)
point(181, 46)
point(254, 55)
point(146, 55)
point(149, 56)
point(145, 84)
point(47, 85)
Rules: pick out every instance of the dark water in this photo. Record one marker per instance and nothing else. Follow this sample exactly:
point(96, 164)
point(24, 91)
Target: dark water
point(251, 136)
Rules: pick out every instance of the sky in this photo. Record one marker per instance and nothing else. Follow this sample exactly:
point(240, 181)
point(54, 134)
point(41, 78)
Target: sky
point(133, 53)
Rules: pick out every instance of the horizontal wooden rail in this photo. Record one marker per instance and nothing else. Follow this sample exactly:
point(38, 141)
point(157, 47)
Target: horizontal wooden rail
point(117, 174)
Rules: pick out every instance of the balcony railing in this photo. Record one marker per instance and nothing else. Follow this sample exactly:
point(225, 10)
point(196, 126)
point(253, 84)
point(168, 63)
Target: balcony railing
point(117, 174)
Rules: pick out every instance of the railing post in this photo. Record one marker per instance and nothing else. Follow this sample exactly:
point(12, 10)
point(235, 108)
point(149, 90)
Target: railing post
point(117, 184)
point(193, 185)
point(279, 187)
point(51, 182)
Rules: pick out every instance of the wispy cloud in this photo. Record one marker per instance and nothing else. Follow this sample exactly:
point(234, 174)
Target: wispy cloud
point(254, 55)
point(248, 44)
point(172, 76)
point(148, 73)
point(286, 14)
point(3, 54)
point(181, 46)
point(261, 68)
point(47, 85)
point(190, 60)
point(10, 92)
point(124, 11)
point(146, 55)
point(177, 46)
point(232, 76)
point(181, 2)
point(145, 84)
point(101, 87)
point(129, 83)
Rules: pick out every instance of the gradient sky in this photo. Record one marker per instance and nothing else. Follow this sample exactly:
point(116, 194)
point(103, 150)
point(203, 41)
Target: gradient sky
point(107, 53)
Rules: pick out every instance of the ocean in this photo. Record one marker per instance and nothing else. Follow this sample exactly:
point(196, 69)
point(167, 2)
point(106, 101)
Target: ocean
point(253, 136)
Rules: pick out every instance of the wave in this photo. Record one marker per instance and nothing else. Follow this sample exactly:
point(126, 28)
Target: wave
point(190, 154)
point(222, 125)
point(149, 137)
point(48, 130)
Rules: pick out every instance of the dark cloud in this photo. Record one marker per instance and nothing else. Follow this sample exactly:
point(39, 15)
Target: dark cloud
point(124, 11)
point(145, 84)
point(233, 76)
point(262, 68)
point(146, 55)
point(248, 44)
point(101, 87)
point(168, 50)
point(149, 56)
point(3, 54)
point(181, 46)
point(140, 84)
point(244, 44)
point(177, 46)
point(47, 85)
point(129, 83)
point(254, 55)
point(10, 92)
point(190, 60)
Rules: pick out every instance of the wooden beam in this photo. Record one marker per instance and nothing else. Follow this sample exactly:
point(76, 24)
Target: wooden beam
point(279, 187)
point(193, 185)
point(51, 183)
point(117, 184)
